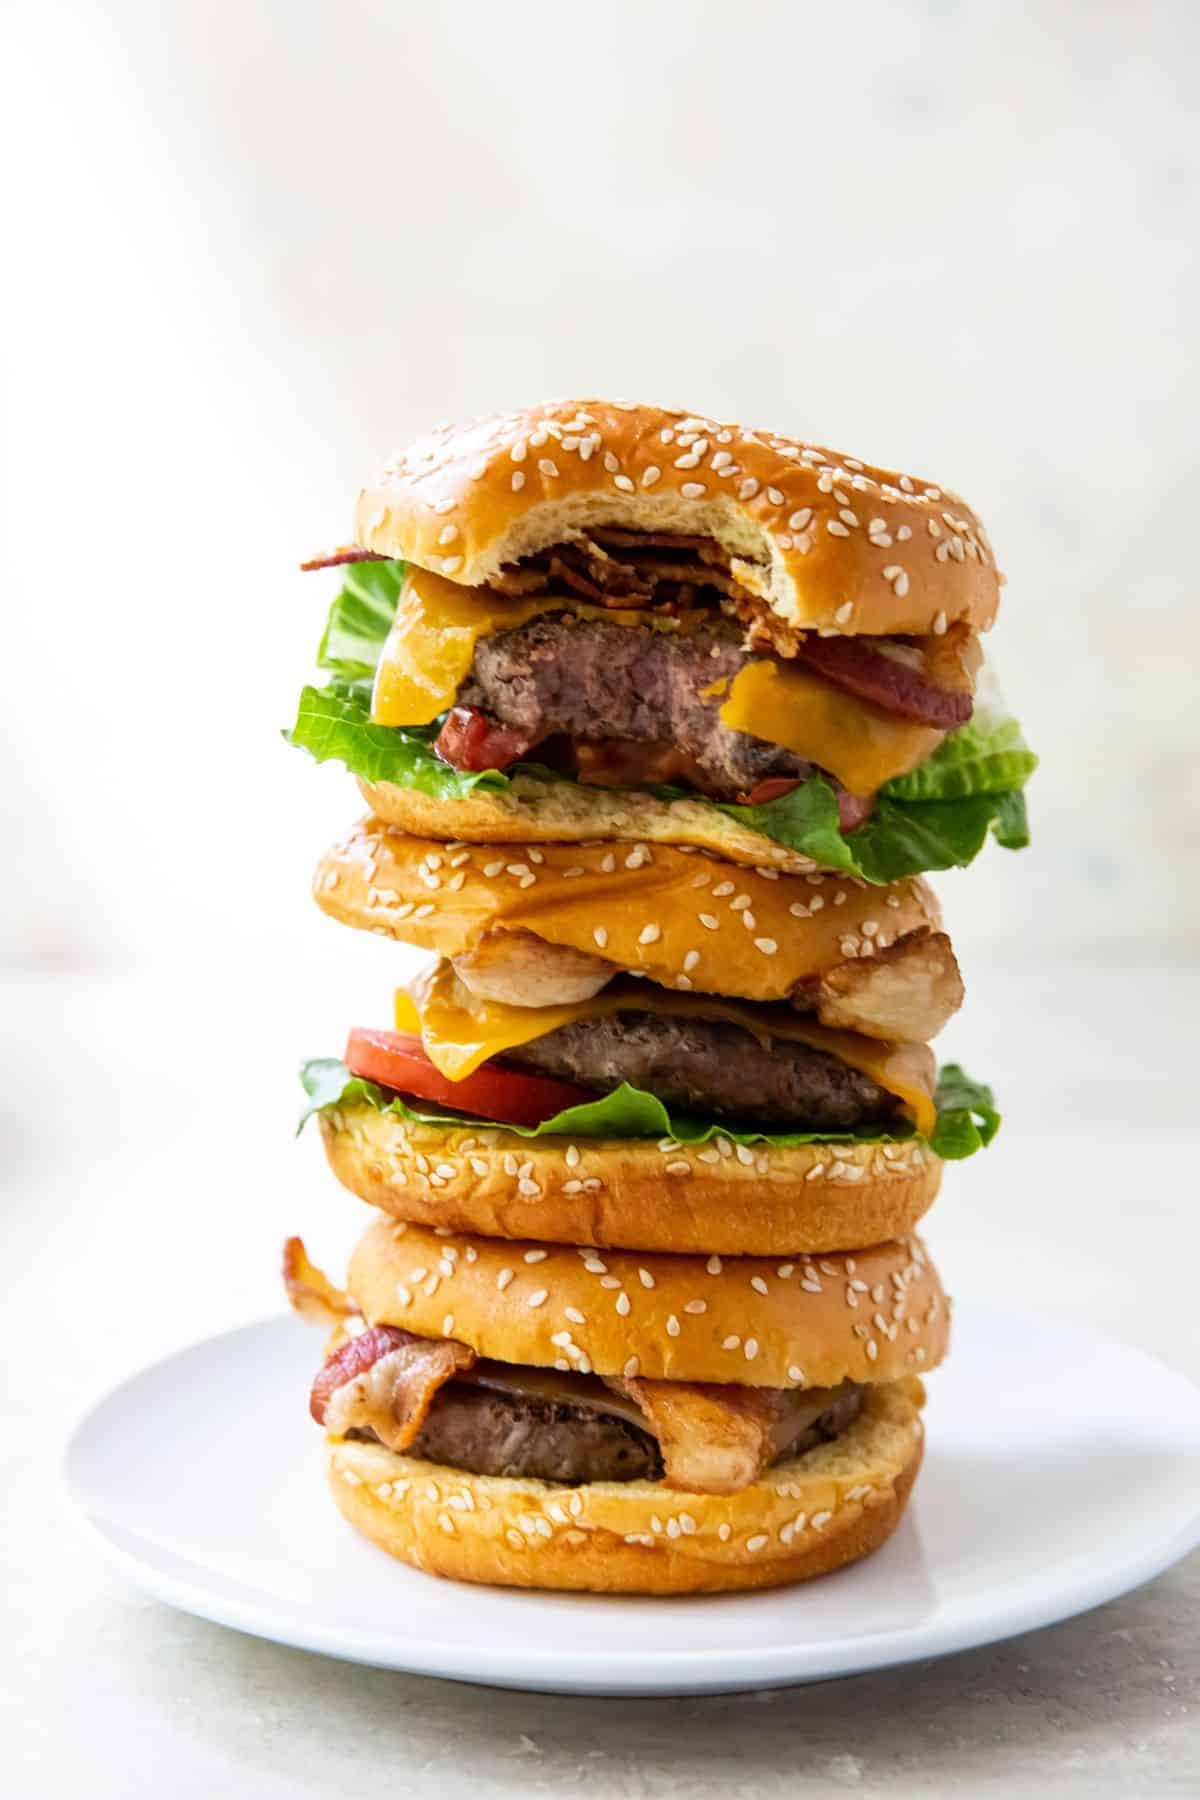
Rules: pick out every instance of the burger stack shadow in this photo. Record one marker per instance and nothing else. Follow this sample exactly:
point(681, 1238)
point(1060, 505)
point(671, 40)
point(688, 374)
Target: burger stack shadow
point(660, 724)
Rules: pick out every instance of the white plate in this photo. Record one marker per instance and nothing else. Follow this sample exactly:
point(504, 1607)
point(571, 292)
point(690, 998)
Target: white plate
point(1062, 1469)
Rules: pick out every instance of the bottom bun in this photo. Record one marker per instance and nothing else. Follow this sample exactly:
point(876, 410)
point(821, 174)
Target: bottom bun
point(535, 811)
point(633, 1193)
point(805, 1517)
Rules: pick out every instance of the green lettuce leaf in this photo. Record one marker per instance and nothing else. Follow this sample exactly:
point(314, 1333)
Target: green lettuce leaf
point(359, 621)
point(966, 1121)
point(937, 817)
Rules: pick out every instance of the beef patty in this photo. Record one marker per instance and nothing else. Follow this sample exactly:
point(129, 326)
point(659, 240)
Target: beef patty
point(710, 1067)
point(592, 681)
point(487, 1431)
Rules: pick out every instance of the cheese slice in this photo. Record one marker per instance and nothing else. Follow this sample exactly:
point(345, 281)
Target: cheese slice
point(431, 645)
point(859, 743)
point(428, 652)
point(460, 1031)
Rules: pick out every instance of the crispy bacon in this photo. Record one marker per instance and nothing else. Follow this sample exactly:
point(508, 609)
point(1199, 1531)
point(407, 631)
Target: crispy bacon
point(714, 1439)
point(469, 740)
point(311, 1292)
point(345, 553)
point(850, 663)
point(385, 1381)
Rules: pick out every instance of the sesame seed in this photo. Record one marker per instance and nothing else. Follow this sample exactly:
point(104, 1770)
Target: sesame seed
point(758, 1542)
point(600, 937)
point(713, 1265)
point(692, 490)
point(504, 1277)
point(709, 922)
point(650, 475)
point(750, 1349)
point(758, 1284)
point(820, 1520)
point(538, 1298)
point(573, 1313)
point(796, 1374)
point(731, 1343)
point(622, 1304)
point(691, 959)
point(631, 1368)
point(535, 1256)
point(672, 1326)
point(767, 945)
point(649, 934)
point(835, 528)
point(747, 489)
point(623, 482)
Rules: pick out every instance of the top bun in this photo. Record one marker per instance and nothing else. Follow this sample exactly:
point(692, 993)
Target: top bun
point(826, 541)
point(867, 1315)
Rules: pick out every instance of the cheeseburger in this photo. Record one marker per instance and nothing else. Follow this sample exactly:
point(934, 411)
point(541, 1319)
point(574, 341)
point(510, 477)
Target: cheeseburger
point(599, 620)
point(645, 1047)
point(538, 1416)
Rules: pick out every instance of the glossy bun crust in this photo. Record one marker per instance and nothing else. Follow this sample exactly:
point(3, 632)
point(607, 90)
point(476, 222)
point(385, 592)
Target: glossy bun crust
point(825, 539)
point(632, 1193)
point(683, 920)
point(868, 1316)
point(830, 1507)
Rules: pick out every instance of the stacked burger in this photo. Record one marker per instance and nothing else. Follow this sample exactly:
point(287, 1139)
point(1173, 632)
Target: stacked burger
point(660, 723)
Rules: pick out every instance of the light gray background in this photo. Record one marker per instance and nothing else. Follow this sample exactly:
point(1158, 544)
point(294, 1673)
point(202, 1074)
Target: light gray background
point(262, 242)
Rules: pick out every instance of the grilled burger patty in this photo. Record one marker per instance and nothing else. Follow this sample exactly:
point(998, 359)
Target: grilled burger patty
point(594, 681)
point(710, 1067)
point(487, 1431)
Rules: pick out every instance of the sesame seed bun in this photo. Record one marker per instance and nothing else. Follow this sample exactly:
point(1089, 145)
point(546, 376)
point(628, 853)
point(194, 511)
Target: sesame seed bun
point(805, 1517)
point(530, 811)
point(683, 920)
point(832, 542)
point(873, 1316)
point(632, 1194)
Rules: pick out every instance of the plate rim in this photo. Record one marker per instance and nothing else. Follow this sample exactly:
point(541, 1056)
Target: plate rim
point(630, 1672)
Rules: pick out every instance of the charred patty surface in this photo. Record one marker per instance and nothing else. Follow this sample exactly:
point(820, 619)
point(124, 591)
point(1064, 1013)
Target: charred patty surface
point(593, 681)
point(490, 1432)
point(709, 1067)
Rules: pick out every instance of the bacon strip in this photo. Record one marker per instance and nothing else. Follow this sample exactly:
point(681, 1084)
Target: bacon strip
point(345, 553)
point(714, 1439)
point(849, 663)
point(385, 1381)
point(311, 1292)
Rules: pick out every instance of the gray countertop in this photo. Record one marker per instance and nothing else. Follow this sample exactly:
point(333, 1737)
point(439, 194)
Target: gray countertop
point(146, 1201)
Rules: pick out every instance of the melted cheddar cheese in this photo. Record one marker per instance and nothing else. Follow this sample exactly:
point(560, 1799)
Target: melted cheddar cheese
point(459, 1031)
point(859, 743)
point(428, 652)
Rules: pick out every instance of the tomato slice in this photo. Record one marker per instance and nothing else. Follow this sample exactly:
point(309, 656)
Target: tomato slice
point(396, 1059)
